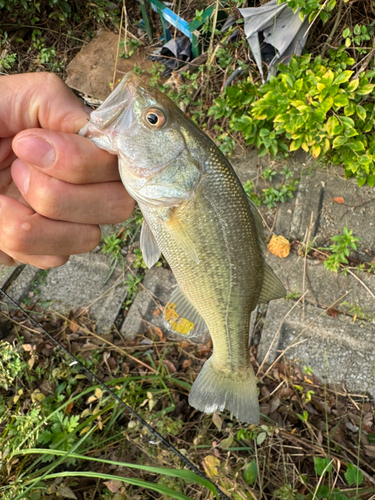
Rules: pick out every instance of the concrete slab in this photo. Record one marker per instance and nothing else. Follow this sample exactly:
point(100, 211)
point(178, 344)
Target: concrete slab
point(324, 287)
point(79, 283)
point(314, 201)
point(6, 274)
point(337, 350)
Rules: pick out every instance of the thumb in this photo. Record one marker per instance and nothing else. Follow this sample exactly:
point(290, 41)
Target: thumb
point(39, 100)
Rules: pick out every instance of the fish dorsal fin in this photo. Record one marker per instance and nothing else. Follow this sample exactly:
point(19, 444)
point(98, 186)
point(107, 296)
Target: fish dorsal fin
point(150, 250)
point(258, 224)
point(272, 288)
point(182, 317)
point(181, 237)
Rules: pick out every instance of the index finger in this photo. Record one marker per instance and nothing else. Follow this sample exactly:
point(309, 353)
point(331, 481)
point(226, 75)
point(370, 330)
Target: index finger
point(34, 100)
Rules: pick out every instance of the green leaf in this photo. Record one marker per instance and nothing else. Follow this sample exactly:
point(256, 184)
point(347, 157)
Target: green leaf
point(365, 89)
point(324, 16)
point(315, 150)
point(320, 464)
point(339, 141)
point(347, 121)
point(353, 85)
point(250, 473)
point(346, 33)
point(353, 475)
point(343, 77)
point(341, 100)
point(330, 5)
point(261, 437)
point(361, 112)
point(370, 74)
point(327, 104)
point(361, 182)
point(356, 146)
point(349, 109)
point(371, 180)
point(331, 124)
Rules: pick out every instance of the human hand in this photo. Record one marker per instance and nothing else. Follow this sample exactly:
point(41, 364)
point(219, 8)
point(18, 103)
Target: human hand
point(56, 187)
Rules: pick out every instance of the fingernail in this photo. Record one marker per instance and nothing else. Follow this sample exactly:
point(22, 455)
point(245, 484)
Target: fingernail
point(35, 151)
point(21, 175)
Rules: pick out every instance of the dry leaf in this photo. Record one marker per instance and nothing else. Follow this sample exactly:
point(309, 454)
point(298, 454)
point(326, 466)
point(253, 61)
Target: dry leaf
point(113, 486)
point(73, 327)
point(217, 420)
point(210, 465)
point(66, 492)
point(339, 199)
point(186, 364)
point(279, 246)
point(69, 407)
point(169, 365)
point(333, 312)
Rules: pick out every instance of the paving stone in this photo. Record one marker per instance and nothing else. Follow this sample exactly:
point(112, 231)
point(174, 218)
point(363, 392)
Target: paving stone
point(79, 283)
point(6, 274)
point(324, 287)
point(314, 202)
point(337, 350)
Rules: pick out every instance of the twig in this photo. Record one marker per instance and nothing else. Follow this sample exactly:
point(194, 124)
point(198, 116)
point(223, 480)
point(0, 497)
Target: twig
point(333, 31)
point(363, 284)
point(365, 62)
point(118, 46)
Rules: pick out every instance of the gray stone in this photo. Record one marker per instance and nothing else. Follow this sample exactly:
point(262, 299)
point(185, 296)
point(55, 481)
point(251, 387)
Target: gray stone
point(325, 287)
point(77, 284)
point(337, 350)
point(6, 274)
point(157, 287)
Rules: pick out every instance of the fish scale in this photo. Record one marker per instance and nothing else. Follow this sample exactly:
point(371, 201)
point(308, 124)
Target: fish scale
point(198, 215)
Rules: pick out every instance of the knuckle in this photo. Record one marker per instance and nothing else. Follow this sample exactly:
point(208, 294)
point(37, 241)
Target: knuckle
point(14, 238)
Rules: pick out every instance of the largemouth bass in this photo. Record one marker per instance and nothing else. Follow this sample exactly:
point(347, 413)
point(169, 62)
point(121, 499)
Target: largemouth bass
point(197, 214)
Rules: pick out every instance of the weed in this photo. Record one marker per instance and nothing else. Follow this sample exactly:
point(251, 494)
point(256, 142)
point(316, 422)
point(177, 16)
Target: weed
point(11, 364)
point(8, 61)
point(129, 47)
point(131, 284)
point(340, 249)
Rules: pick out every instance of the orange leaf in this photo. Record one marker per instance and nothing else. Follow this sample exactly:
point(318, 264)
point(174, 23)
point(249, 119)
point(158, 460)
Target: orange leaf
point(279, 246)
point(339, 199)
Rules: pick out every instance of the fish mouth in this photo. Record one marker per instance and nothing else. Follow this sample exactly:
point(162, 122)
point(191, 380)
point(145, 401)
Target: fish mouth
point(115, 112)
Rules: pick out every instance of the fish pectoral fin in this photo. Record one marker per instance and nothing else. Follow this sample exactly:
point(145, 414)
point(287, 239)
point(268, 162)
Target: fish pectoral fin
point(272, 287)
point(181, 237)
point(150, 249)
point(182, 317)
point(258, 224)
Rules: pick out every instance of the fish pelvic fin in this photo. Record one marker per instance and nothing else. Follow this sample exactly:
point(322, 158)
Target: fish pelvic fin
point(150, 250)
point(216, 389)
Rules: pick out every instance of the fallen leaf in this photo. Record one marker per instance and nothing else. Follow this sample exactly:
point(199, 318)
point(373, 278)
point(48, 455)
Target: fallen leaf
point(73, 327)
point(169, 365)
point(339, 199)
point(210, 465)
point(159, 333)
point(217, 420)
point(66, 492)
point(69, 407)
point(225, 443)
point(186, 364)
point(113, 486)
point(156, 312)
point(333, 312)
point(279, 246)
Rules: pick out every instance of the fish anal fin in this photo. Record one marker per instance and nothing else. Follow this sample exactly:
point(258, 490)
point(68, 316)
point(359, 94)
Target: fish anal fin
point(182, 317)
point(181, 237)
point(150, 249)
point(272, 288)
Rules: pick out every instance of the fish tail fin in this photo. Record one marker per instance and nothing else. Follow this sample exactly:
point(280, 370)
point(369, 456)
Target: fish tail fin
point(216, 389)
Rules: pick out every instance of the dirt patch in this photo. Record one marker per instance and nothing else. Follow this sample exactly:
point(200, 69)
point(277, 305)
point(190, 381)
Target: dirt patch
point(91, 71)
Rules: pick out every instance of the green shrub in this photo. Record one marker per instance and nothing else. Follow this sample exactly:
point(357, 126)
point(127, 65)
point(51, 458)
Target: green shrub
point(314, 105)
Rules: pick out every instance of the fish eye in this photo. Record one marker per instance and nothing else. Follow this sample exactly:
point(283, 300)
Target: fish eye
point(155, 117)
